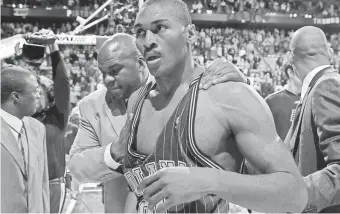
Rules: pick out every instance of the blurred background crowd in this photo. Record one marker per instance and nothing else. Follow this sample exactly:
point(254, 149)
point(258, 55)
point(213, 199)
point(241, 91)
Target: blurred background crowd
point(319, 8)
point(253, 44)
point(257, 51)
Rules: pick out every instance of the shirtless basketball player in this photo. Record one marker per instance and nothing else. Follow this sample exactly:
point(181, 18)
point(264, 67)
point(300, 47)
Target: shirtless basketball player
point(185, 146)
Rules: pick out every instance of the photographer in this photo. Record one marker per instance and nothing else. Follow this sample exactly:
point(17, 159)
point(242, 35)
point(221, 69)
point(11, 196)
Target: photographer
point(53, 112)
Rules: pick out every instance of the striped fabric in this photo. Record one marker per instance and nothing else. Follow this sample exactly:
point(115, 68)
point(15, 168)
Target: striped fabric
point(176, 146)
point(23, 144)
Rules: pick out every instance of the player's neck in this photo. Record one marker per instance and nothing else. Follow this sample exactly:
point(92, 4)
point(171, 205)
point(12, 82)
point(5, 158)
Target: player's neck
point(183, 74)
point(293, 88)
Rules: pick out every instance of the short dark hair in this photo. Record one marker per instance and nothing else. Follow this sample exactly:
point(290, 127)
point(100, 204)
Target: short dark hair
point(182, 12)
point(286, 68)
point(268, 72)
point(13, 79)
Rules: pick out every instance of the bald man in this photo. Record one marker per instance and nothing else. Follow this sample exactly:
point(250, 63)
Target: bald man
point(314, 136)
point(185, 146)
point(103, 115)
point(24, 168)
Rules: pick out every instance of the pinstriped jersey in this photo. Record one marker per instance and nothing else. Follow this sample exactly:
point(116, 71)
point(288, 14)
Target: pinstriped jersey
point(175, 147)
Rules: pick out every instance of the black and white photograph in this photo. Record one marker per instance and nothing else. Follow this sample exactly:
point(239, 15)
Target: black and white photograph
point(170, 106)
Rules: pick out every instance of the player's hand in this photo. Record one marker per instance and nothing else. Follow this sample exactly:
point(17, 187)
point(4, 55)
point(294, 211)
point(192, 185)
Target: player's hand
point(48, 83)
point(118, 148)
point(42, 37)
point(175, 185)
point(221, 71)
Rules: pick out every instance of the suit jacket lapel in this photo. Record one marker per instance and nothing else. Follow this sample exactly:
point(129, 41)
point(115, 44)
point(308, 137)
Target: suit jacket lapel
point(9, 142)
point(33, 154)
point(117, 121)
point(294, 134)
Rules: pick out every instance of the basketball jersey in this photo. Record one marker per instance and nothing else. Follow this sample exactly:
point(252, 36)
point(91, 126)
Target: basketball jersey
point(175, 147)
point(282, 105)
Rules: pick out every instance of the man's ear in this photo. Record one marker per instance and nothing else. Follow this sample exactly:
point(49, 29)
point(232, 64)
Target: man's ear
point(331, 55)
point(290, 73)
point(191, 34)
point(141, 64)
point(15, 97)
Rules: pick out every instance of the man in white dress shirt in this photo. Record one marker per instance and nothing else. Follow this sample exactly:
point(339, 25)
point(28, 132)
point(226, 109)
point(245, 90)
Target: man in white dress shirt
point(24, 172)
point(314, 137)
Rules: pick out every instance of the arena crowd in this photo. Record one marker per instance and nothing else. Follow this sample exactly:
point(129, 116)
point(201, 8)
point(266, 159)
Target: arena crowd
point(259, 52)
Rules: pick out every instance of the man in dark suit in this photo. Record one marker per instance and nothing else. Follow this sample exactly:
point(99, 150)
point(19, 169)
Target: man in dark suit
point(314, 136)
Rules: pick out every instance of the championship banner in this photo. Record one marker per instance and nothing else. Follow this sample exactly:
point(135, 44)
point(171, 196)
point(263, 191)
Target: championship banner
point(327, 21)
point(10, 46)
point(64, 39)
point(21, 11)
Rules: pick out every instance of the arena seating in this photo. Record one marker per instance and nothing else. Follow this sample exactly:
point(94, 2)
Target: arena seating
point(319, 8)
point(256, 51)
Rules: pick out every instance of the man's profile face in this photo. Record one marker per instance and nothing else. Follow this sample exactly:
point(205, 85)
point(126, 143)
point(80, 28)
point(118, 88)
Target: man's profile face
point(43, 100)
point(30, 96)
point(121, 77)
point(161, 39)
point(45, 86)
point(293, 76)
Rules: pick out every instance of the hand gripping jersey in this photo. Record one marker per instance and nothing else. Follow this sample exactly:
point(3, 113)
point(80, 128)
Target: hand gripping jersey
point(175, 147)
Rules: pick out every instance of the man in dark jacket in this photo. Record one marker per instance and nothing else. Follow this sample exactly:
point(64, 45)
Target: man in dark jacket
point(53, 113)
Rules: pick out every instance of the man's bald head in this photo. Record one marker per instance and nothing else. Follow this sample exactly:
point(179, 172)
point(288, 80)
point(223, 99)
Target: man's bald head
point(119, 46)
point(176, 8)
point(310, 50)
point(14, 79)
point(309, 42)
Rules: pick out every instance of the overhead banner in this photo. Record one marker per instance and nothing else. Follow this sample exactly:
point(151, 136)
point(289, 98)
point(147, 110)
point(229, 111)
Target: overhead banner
point(9, 46)
point(21, 11)
point(327, 21)
point(65, 39)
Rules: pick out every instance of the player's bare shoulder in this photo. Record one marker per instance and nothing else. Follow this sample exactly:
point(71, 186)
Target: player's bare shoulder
point(236, 101)
point(231, 92)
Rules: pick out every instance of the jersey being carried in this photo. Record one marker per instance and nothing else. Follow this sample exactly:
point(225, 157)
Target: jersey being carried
point(282, 105)
point(175, 147)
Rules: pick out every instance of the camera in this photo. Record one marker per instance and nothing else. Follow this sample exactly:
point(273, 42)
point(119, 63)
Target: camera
point(32, 52)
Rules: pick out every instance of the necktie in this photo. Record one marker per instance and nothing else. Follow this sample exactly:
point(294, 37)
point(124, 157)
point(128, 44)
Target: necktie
point(297, 115)
point(23, 144)
point(126, 102)
point(295, 122)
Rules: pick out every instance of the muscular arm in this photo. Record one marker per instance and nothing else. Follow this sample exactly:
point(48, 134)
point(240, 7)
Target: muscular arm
point(61, 88)
point(280, 188)
point(324, 185)
point(87, 155)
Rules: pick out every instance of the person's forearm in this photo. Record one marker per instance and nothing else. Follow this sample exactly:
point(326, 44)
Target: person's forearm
point(87, 165)
point(61, 87)
point(323, 188)
point(53, 47)
point(277, 192)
